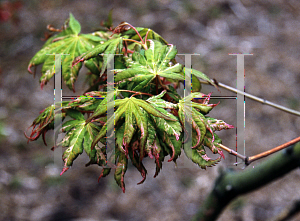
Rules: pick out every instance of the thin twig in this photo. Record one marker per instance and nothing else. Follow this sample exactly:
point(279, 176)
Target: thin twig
point(269, 152)
point(133, 41)
point(251, 159)
point(165, 87)
point(232, 152)
point(263, 101)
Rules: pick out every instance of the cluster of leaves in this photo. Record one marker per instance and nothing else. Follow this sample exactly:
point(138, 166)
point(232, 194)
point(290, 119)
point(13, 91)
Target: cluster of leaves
point(150, 117)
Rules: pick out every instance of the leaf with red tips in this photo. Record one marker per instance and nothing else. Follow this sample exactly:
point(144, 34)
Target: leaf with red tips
point(121, 170)
point(135, 162)
point(159, 156)
point(218, 124)
point(148, 125)
point(45, 122)
point(213, 144)
point(111, 46)
point(172, 128)
point(203, 129)
point(104, 173)
point(130, 127)
point(64, 170)
point(200, 159)
point(144, 67)
point(170, 145)
point(70, 44)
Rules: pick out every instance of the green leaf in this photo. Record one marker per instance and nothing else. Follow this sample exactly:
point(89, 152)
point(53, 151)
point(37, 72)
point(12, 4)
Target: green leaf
point(212, 142)
point(96, 155)
point(151, 109)
point(194, 118)
point(139, 165)
point(158, 154)
point(70, 45)
point(129, 127)
point(200, 75)
point(121, 170)
point(142, 123)
point(84, 103)
point(144, 66)
point(199, 126)
point(218, 124)
point(109, 23)
point(196, 85)
point(79, 136)
point(104, 173)
point(45, 122)
point(73, 140)
point(173, 93)
point(203, 127)
point(75, 114)
point(112, 46)
point(74, 25)
point(136, 116)
point(158, 102)
point(151, 138)
point(172, 128)
point(201, 160)
point(100, 110)
point(112, 121)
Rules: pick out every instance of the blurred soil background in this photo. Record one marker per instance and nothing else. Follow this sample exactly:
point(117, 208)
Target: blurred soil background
point(268, 29)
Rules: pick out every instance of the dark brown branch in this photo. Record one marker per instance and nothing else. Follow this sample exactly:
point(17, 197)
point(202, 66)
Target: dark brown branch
point(230, 184)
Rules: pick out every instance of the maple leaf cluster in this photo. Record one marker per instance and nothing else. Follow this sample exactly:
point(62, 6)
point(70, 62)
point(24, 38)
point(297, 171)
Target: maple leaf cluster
point(143, 116)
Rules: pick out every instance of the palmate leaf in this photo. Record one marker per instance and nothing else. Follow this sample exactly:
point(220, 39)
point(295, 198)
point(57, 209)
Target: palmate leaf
point(144, 66)
point(132, 154)
point(151, 148)
point(70, 42)
point(202, 130)
point(151, 125)
point(79, 137)
point(87, 102)
point(45, 122)
point(112, 46)
point(136, 116)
